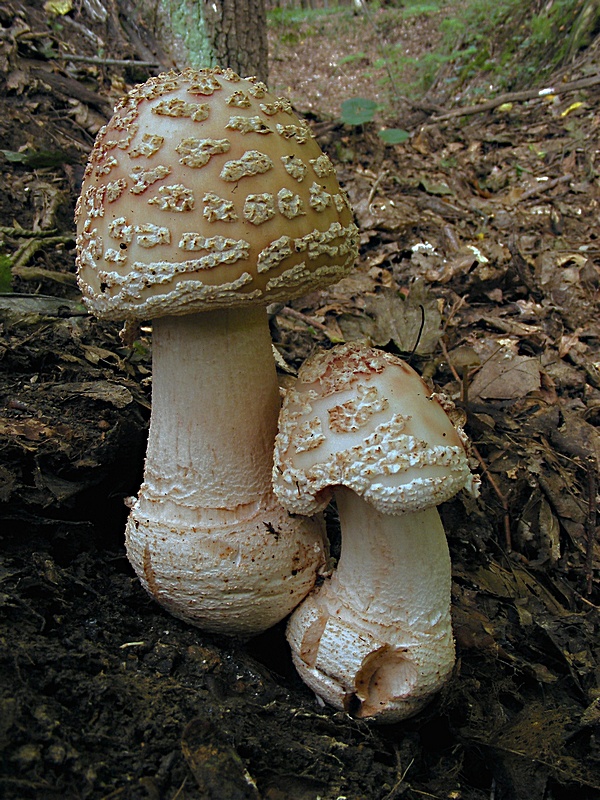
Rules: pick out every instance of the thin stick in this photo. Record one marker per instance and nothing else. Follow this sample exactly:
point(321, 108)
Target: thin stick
point(544, 187)
point(515, 97)
point(590, 524)
point(374, 188)
point(292, 313)
point(112, 62)
point(24, 233)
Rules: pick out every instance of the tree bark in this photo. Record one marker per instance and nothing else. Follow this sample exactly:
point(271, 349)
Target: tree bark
point(237, 30)
point(207, 33)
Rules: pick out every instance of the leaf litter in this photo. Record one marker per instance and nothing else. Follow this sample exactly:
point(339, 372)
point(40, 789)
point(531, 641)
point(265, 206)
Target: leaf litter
point(479, 262)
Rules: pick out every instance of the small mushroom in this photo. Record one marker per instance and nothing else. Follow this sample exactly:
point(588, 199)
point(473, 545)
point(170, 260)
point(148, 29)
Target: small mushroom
point(375, 638)
point(205, 199)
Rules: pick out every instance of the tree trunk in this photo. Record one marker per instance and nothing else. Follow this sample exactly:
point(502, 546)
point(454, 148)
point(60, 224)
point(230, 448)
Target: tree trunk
point(197, 33)
point(237, 30)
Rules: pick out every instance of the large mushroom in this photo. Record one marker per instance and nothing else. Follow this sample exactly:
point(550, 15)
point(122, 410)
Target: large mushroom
point(375, 638)
point(205, 199)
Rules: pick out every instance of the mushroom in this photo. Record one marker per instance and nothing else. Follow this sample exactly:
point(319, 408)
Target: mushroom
point(375, 639)
point(205, 199)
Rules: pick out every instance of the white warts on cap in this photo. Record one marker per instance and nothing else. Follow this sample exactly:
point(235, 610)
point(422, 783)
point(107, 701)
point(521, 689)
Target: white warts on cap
point(202, 150)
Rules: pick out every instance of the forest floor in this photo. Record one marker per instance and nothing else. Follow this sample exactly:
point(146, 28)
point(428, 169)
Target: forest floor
point(488, 222)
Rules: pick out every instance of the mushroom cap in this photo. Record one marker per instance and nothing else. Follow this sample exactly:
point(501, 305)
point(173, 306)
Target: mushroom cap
point(205, 191)
point(364, 419)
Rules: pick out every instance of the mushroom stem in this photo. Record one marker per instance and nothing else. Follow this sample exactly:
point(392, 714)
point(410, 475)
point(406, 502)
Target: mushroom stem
point(376, 638)
point(206, 536)
point(215, 402)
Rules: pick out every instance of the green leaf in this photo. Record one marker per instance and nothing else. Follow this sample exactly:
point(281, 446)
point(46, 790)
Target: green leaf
point(352, 58)
point(358, 110)
point(394, 135)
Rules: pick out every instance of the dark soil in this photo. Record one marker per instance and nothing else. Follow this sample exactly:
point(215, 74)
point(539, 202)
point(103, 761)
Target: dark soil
point(488, 223)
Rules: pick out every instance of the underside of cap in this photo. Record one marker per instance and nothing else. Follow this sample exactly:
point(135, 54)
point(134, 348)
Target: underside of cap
point(363, 419)
point(204, 191)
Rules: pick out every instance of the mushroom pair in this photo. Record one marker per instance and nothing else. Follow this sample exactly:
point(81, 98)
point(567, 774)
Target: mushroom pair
point(375, 639)
point(205, 199)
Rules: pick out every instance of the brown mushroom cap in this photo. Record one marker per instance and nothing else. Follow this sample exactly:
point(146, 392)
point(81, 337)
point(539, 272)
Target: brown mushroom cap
point(204, 190)
point(364, 419)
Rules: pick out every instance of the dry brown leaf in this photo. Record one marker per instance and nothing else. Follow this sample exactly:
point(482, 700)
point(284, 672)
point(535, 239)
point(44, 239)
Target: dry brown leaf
point(506, 376)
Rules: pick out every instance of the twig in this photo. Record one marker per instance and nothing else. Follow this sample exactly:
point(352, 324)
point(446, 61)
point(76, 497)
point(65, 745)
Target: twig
point(590, 524)
point(446, 355)
point(544, 186)
point(375, 186)
point(25, 233)
point(23, 255)
point(70, 87)
point(399, 786)
point(106, 62)
point(516, 97)
point(456, 306)
point(587, 602)
point(286, 311)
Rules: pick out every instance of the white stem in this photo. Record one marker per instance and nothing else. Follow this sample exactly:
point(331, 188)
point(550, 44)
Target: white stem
point(376, 639)
point(207, 536)
point(215, 401)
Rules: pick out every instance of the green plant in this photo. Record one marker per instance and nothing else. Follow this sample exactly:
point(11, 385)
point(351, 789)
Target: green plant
point(512, 40)
point(474, 43)
point(393, 135)
point(515, 43)
point(419, 8)
point(294, 23)
point(352, 58)
point(360, 110)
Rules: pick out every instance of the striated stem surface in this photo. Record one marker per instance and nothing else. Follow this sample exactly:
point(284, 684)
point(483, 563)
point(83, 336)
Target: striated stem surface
point(376, 638)
point(206, 535)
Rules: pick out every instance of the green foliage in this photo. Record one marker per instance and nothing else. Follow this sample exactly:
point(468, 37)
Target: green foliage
point(508, 44)
point(38, 158)
point(394, 135)
point(420, 8)
point(358, 110)
point(515, 43)
point(293, 24)
point(352, 58)
point(289, 17)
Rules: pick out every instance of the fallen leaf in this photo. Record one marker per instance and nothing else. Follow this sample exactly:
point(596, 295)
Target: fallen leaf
point(411, 322)
point(506, 376)
point(117, 395)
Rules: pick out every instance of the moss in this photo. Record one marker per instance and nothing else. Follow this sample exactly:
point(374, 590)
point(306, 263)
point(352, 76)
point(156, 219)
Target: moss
point(189, 31)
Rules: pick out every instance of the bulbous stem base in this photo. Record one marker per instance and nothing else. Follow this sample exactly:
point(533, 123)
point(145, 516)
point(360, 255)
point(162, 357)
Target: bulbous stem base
point(206, 535)
point(376, 639)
